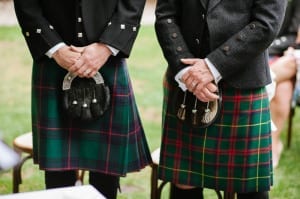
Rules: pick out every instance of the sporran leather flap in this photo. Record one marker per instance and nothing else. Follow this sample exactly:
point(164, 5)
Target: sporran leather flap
point(193, 111)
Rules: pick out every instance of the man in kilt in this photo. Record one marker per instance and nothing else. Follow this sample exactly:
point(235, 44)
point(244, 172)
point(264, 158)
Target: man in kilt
point(83, 37)
point(210, 46)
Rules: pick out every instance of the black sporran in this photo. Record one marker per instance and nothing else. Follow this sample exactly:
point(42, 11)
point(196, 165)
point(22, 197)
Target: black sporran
point(85, 98)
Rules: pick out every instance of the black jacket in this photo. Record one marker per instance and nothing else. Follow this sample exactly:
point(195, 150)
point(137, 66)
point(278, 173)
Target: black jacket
point(291, 20)
point(45, 23)
point(239, 33)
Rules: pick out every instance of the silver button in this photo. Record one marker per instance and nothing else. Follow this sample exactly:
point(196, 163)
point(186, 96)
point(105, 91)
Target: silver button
point(27, 34)
point(79, 34)
point(203, 16)
point(169, 20)
point(79, 19)
point(277, 42)
point(134, 29)
point(38, 30)
point(122, 26)
point(283, 39)
point(109, 23)
point(197, 41)
point(51, 27)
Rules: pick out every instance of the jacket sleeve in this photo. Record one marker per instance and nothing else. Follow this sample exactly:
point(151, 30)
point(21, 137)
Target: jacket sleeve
point(252, 40)
point(39, 34)
point(295, 20)
point(124, 25)
point(169, 35)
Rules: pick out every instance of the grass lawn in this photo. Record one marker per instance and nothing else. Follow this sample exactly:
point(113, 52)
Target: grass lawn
point(146, 68)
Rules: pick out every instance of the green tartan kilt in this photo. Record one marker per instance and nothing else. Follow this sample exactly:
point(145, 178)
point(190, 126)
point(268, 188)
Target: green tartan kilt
point(233, 154)
point(115, 144)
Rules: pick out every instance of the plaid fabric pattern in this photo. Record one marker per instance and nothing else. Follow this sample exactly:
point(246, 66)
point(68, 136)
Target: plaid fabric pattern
point(234, 154)
point(114, 144)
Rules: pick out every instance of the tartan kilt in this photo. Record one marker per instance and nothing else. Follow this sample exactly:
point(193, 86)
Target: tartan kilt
point(233, 154)
point(114, 144)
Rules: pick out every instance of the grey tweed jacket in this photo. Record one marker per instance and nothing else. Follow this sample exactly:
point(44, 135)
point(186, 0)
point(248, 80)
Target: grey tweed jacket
point(240, 31)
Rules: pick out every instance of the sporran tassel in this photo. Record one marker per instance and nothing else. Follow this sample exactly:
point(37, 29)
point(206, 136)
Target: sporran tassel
point(181, 110)
point(194, 114)
point(206, 116)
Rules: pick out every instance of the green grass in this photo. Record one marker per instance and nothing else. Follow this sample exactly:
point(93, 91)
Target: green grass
point(147, 68)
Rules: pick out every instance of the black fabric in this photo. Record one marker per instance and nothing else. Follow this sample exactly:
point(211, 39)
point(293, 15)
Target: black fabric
point(56, 179)
point(281, 44)
point(106, 184)
point(254, 195)
point(177, 193)
point(291, 18)
point(288, 31)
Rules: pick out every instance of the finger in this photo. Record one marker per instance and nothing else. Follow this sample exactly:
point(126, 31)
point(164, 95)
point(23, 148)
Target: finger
point(77, 49)
point(191, 88)
point(190, 83)
point(201, 97)
point(210, 95)
point(212, 87)
point(75, 68)
point(205, 94)
point(87, 72)
point(92, 74)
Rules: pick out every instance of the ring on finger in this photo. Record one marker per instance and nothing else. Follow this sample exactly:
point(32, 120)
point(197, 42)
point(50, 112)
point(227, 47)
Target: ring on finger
point(87, 71)
point(194, 84)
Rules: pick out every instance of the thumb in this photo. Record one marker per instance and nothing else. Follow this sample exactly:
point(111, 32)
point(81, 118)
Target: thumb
point(188, 61)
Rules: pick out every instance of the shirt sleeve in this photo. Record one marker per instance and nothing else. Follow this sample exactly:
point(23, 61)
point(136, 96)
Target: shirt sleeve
point(52, 50)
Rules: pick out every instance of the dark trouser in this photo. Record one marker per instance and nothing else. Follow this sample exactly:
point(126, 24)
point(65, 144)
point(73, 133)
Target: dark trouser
point(105, 184)
point(197, 193)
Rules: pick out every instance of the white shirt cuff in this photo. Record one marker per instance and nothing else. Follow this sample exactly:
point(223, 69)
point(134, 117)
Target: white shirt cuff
point(213, 70)
point(113, 50)
point(178, 78)
point(271, 88)
point(50, 52)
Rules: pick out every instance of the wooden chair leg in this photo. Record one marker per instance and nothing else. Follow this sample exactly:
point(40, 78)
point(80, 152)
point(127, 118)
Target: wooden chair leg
point(154, 184)
point(79, 177)
point(17, 176)
point(229, 195)
point(290, 126)
point(218, 194)
point(156, 189)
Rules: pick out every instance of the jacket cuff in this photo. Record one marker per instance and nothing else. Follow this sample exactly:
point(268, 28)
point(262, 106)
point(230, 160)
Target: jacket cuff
point(40, 40)
point(120, 36)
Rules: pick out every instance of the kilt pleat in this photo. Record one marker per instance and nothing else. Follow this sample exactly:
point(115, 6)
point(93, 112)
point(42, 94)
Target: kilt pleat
point(113, 144)
point(233, 154)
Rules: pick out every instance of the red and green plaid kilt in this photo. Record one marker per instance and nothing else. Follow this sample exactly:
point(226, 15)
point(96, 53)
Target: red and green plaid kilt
point(233, 154)
point(114, 144)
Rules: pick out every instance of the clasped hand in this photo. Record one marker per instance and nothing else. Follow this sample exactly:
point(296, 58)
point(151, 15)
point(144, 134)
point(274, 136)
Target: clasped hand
point(199, 80)
point(83, 61)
